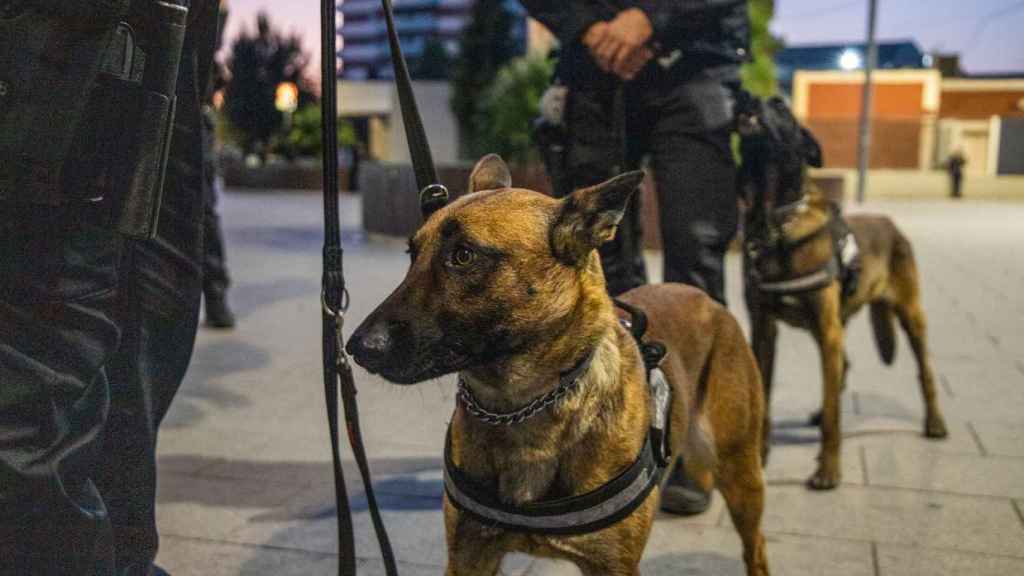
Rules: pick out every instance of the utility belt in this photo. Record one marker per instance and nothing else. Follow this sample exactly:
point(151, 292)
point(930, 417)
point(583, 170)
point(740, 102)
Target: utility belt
point(87, 109)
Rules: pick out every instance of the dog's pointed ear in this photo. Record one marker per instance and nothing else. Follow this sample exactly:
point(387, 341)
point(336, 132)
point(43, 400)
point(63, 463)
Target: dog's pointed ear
point(490, 173)
point(589, 217)
point(812, 149)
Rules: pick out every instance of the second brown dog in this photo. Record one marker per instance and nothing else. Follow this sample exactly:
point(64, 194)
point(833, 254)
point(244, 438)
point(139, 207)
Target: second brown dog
point(798, 254)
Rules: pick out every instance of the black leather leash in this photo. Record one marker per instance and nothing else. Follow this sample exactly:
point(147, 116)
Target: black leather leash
point(433, 195)
point(334, 299)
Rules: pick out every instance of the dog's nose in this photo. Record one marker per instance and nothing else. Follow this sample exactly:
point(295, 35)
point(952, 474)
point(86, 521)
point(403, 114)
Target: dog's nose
point(370, 347)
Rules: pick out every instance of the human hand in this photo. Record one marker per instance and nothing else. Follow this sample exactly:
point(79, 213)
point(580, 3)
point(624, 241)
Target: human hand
point(601, 47)
point(620, 46)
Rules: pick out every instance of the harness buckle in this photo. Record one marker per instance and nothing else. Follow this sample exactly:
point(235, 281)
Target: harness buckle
point(661, 397)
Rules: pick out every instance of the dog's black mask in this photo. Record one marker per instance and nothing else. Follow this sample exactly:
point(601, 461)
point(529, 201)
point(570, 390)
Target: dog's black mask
point(775, 149)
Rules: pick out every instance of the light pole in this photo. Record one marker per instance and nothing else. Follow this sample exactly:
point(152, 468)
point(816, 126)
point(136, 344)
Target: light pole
point(864, 156)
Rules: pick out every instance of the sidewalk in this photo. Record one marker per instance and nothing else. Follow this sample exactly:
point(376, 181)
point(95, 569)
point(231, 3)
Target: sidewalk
point(245, 481)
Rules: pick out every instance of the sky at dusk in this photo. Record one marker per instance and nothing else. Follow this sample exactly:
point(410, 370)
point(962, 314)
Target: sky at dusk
point(989, 34)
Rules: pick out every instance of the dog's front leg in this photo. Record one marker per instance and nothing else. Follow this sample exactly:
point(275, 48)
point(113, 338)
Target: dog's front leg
point(829, 334)
point(764, 333)
point(473, 549)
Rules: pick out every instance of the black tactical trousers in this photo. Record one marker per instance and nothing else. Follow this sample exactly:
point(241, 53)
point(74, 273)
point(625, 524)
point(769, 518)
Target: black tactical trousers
point(96, 332)
point(215, 269)
point(59, 328)
point(684, 130)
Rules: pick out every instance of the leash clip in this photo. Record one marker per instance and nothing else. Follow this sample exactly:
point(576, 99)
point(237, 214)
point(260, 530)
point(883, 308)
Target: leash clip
point(432, 199)
point(339, 324)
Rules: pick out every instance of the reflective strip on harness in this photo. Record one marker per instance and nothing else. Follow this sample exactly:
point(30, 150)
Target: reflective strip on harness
point(802, 284)
point(583, 514)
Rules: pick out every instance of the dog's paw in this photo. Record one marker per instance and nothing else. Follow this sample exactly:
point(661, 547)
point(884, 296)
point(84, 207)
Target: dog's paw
point(935, 428)
point(825, 478)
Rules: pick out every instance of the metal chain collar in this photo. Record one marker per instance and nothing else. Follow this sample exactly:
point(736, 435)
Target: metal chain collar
point(568, 384)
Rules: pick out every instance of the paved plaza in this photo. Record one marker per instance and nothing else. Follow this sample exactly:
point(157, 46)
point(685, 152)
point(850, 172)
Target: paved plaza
point(245, 477)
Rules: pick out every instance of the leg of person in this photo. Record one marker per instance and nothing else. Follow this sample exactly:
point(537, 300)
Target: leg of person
point(215, 271)
point(162, 291)
point(162, 300)
point(58, 327)
point(597, 152)
point(696, 177)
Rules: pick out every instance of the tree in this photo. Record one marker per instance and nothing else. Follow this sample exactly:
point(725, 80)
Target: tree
point(434, 64)
point(258, 64)
point(488, 42)
point(303, 139)
point(759, 75)
point(510, 106)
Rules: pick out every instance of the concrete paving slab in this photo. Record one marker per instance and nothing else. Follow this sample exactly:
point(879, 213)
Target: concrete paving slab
point(209, 558)
point(307, 522)
point(699, 551)
point(1000, 438)
point(895, 516)
point(794, 464)
point(903, 561)
point(897, 435)
point(959, 474)
point(211, 508)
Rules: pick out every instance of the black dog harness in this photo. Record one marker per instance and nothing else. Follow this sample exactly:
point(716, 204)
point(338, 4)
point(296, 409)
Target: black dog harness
point(589, 512)
point(844, 263)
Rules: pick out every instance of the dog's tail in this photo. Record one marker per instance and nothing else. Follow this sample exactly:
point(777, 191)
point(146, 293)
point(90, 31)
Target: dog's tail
point(885, 334)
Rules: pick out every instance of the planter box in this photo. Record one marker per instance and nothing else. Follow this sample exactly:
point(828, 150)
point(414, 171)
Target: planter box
point(391, 200)
point(391, 204)
point(301, 174)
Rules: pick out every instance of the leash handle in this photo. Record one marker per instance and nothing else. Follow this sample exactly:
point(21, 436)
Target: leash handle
point(433, 195)
point(334, 299)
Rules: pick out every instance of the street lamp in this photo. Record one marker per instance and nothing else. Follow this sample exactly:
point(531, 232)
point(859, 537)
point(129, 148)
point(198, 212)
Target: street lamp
point(850, 60)
point(286, 100)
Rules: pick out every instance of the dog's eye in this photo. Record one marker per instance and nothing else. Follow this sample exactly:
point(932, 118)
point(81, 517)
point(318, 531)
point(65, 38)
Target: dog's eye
point(462, 256)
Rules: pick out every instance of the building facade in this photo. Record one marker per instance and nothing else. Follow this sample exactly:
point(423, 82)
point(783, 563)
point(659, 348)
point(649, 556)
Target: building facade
point(424, 26)
point(919, 119)
point(896, 55)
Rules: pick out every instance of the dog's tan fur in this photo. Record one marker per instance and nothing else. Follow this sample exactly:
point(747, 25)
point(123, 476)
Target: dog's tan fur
point(888, 284)
point(550, 276)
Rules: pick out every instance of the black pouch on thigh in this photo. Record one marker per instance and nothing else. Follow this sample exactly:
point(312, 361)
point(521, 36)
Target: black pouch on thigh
point(120, 151)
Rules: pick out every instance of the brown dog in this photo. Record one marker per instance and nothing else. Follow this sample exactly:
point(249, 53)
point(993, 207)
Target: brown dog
point(795, 270)
point(506, 288)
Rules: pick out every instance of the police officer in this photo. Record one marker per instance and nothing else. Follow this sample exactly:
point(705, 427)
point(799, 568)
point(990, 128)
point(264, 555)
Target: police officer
point(652, 79)
point(100, 240)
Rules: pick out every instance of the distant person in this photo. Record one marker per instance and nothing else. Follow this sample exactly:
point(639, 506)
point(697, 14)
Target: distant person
point(955, 169)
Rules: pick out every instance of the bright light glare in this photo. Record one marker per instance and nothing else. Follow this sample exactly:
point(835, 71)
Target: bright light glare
point(850, 60)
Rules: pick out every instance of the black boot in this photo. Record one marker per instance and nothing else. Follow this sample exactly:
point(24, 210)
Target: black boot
point(682, 495)
point(218, 314)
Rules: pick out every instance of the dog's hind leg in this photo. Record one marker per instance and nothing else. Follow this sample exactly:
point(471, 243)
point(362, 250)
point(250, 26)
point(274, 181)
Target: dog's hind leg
point(741, 483)
point(913, 322)
point(906, 303)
